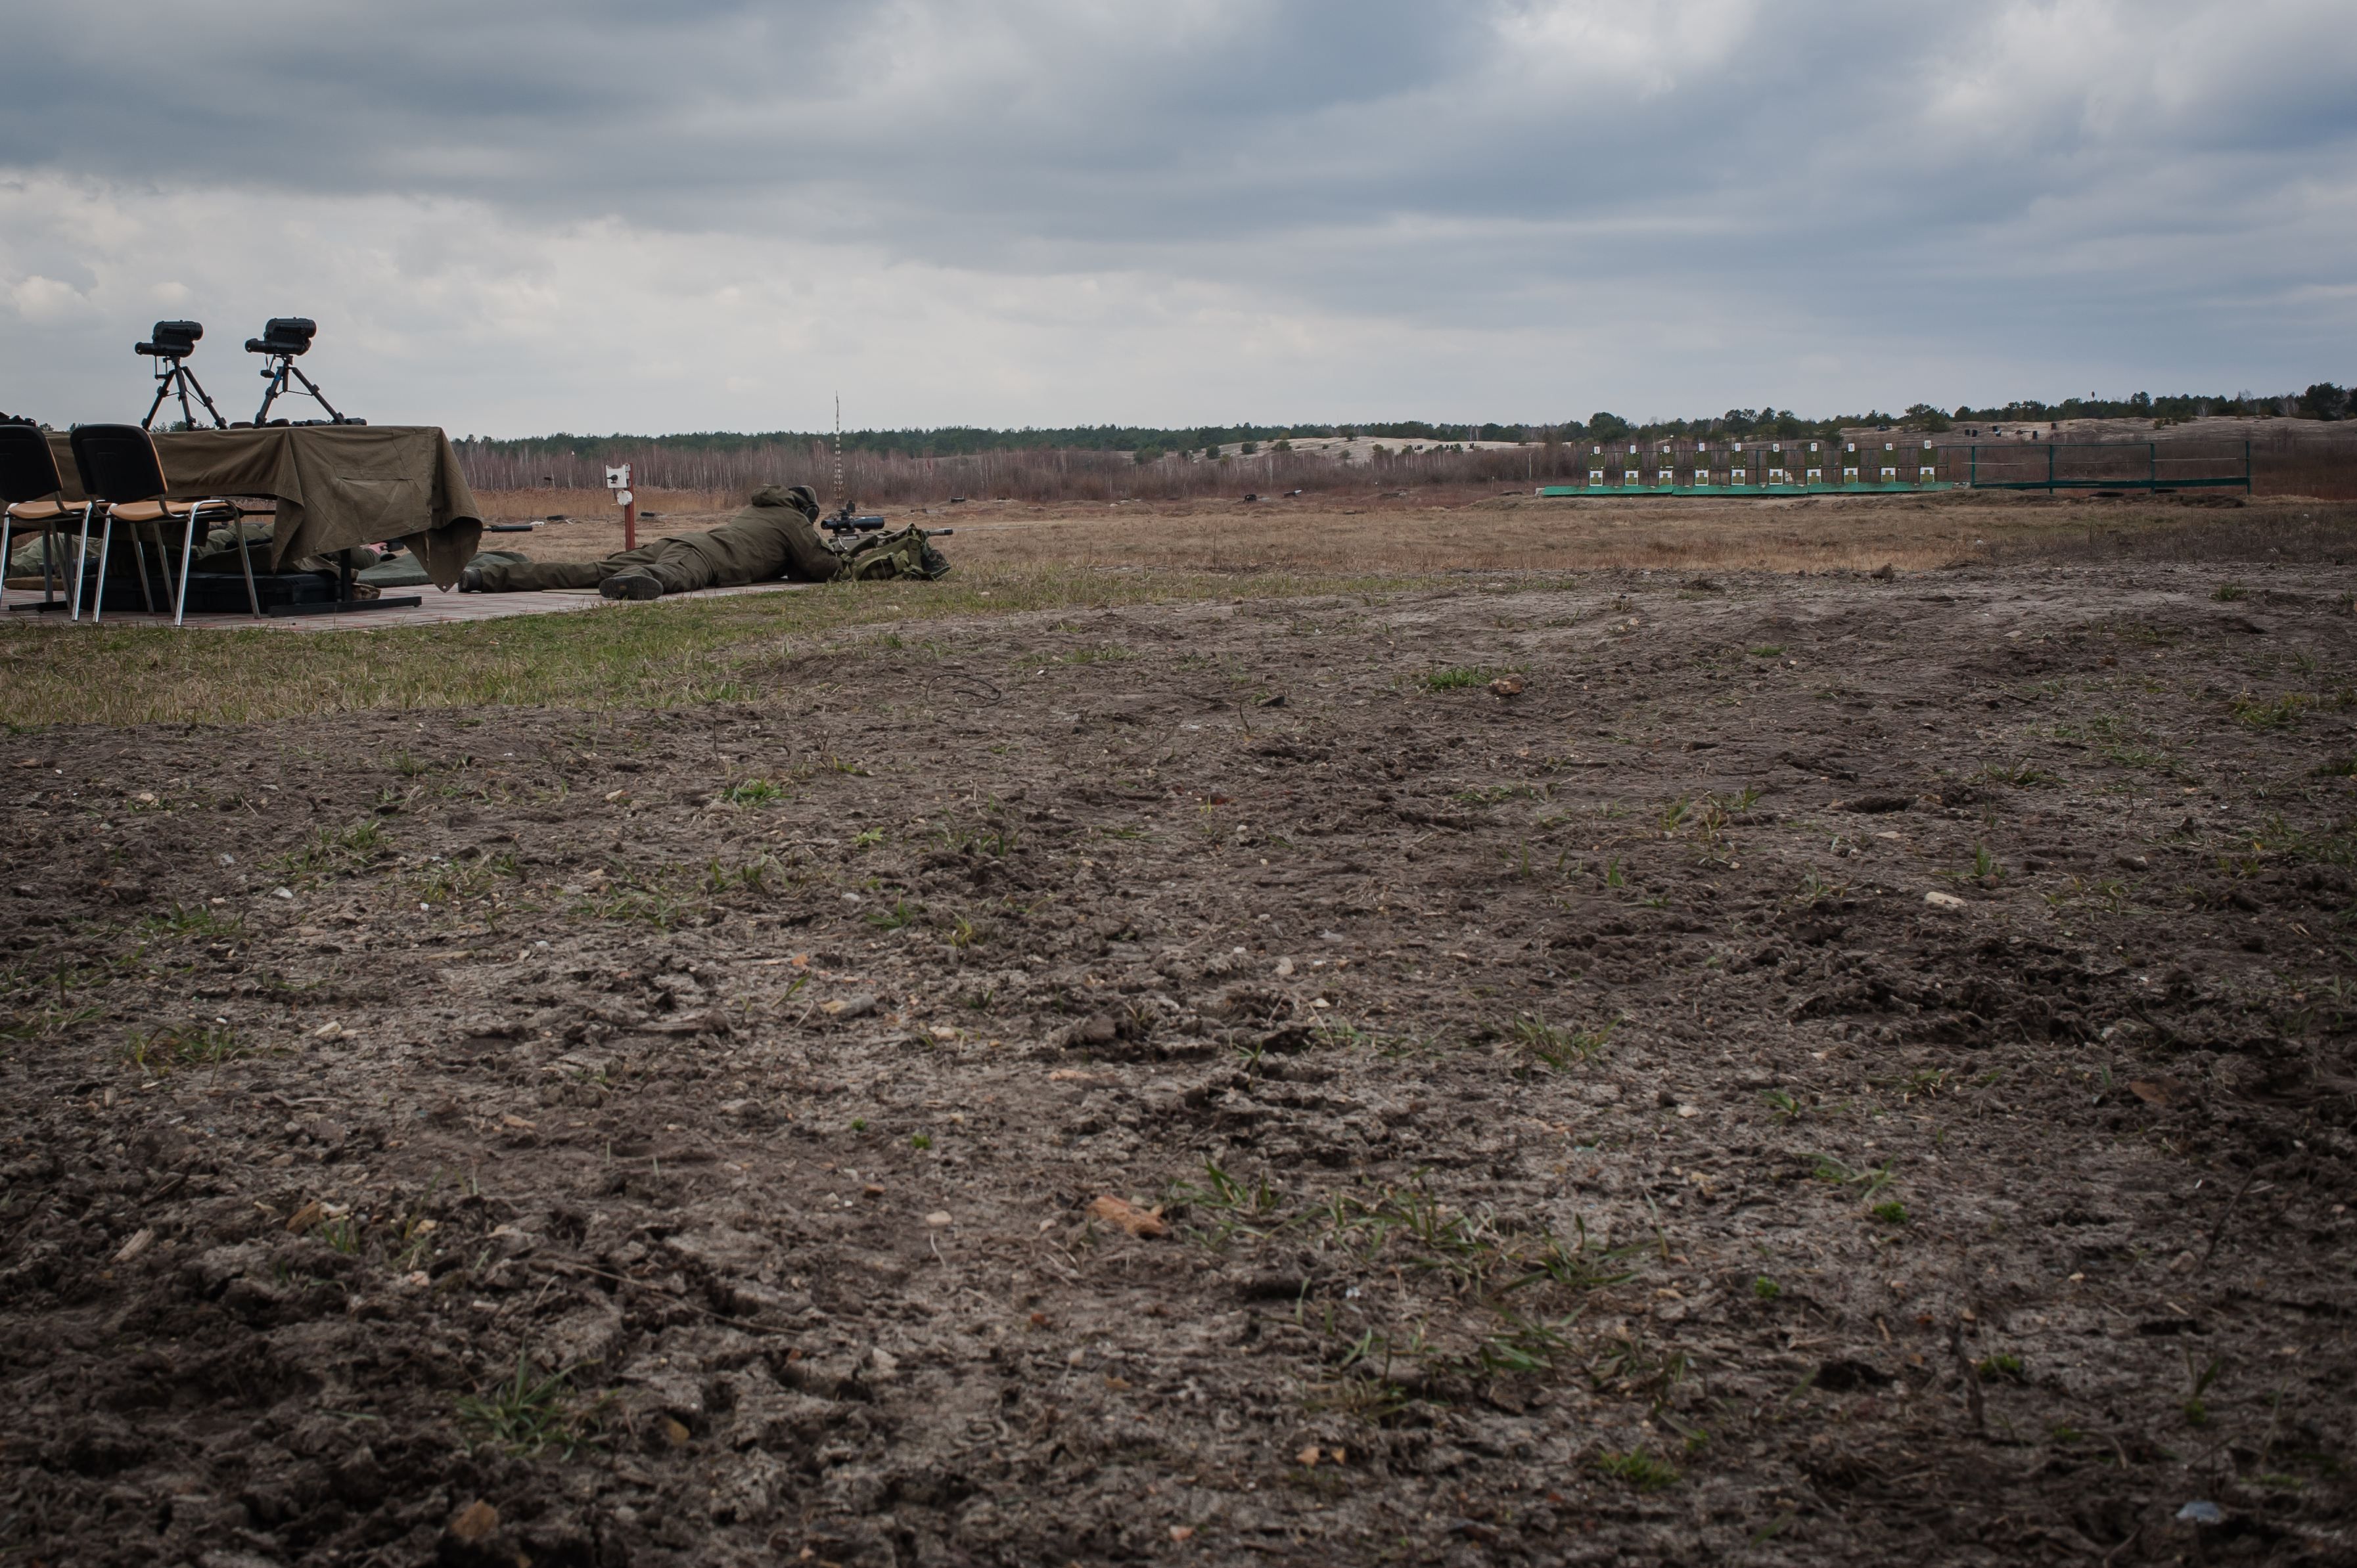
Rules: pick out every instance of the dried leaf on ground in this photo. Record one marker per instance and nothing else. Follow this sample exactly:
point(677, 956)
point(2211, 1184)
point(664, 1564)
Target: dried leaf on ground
point(1146, 1222)
point(476, 1520)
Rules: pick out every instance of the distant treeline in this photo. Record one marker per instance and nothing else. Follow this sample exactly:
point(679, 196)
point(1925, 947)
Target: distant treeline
point(1132, 462)
point(2323, 401)
point(962, 441)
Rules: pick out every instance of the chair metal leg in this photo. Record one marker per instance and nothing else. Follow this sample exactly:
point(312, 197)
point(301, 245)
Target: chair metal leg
point(82, 561)
point(244, 556)
point(139, 554)
point(105, 548)
point(188, 554)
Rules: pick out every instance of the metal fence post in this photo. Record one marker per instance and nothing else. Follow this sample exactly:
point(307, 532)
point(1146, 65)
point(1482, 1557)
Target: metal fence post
point(2049, 468)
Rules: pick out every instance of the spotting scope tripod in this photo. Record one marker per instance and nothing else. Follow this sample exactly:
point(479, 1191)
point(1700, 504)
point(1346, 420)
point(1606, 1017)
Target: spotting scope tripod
point(174, 341)
point(283, 338)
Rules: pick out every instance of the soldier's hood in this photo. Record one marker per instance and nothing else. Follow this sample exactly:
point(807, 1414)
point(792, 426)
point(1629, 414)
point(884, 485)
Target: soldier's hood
point(801, 498)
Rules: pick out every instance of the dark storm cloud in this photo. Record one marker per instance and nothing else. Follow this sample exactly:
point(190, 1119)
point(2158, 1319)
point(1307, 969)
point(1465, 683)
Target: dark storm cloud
point(969, 132)
point(2145, 182)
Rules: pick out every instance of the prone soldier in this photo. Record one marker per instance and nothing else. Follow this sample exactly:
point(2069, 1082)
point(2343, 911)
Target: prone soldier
point(773, 535)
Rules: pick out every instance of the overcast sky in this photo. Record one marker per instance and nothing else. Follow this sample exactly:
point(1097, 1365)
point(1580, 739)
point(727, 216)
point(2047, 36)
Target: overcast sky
point(523, 216)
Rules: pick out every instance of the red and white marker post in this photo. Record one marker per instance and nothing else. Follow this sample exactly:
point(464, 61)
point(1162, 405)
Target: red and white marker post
point(619, 481)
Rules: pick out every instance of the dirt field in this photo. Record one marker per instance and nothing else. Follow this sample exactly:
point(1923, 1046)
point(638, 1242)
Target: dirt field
point(1830, 1070)
point(1485, 531)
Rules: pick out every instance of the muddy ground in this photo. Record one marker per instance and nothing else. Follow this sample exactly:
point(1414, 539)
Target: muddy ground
point(1831, 1070)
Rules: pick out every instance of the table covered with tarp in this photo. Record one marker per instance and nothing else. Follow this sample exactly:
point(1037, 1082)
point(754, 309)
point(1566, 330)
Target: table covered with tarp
point(337, 485)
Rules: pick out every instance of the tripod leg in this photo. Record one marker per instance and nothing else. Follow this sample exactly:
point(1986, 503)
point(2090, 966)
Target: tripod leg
point(219, 423)
point(313, 388)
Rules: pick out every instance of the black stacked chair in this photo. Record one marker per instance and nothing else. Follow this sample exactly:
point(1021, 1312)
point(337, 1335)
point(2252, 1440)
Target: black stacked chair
point(32, 489)
point(119, 466)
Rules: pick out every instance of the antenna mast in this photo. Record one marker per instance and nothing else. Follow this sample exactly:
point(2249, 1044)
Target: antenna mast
point(840, 504)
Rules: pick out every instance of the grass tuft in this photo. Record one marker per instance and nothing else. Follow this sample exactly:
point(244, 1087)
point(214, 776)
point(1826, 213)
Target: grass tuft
point(1639, 1469)
point(525, 1415)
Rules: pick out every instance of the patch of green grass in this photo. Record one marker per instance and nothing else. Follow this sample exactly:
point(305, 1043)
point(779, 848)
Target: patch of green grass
point(2004, 1367)
point(1223, 1194)
point(752, 792)
point(457, 881)
point(1560, 1045)
point(859, 1124)
point(1890, 1213)
point(336, 851)
point(1767, 650)
point(752, 874)
point(2145, 757)
point(1985, 869)
point(1099, 653)
point(2229, 593)
point(196, 920)
point(1494, 795)
point(649, 902)
point(1765, 1289)
point(1829, 1169)
point(996, 839)
point(2020, 776)
point(899, 913)
point(1520, 1346)
point(1636, 1468)
point(1457, 677)
point(921, 1141)
point(526, 1414)
point(187, 1046)
point(2271, 713)
point(2346, 767)
point(670, 654)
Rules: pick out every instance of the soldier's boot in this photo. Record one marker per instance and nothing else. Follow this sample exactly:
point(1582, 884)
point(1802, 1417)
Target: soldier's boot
point(632, 585)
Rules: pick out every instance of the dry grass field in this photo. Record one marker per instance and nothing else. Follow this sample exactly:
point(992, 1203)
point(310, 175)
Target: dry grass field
point(1429, 533)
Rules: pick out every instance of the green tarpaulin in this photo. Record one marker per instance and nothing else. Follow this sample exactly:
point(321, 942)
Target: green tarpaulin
point(335, 485)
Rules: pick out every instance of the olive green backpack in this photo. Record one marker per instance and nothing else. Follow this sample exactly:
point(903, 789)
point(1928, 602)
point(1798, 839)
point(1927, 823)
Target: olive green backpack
point(907, 554)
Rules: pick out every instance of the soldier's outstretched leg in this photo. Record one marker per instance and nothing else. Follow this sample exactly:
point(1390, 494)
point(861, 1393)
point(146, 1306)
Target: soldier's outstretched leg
point(527, 576)
point(675, 567)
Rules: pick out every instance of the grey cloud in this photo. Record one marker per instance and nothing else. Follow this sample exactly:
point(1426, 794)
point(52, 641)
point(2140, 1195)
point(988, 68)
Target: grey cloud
point(2082, 173)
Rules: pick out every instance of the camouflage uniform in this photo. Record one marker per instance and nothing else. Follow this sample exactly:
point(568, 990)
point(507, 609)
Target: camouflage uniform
point(773, 535)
